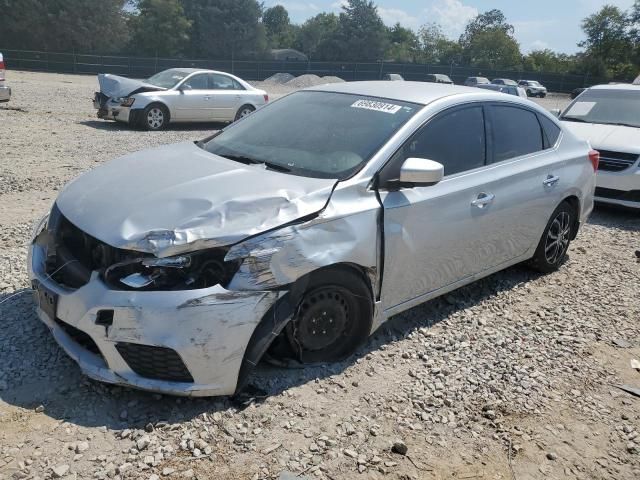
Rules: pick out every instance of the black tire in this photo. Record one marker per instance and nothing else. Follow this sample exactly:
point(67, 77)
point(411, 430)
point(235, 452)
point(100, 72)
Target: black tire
point(333, 317)
point(243, 111)
point(554, 244)
point(155, 117)
point(529, 93)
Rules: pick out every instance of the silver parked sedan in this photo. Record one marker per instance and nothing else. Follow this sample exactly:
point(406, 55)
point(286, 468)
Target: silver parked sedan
point(176, 95)
point(300, 229)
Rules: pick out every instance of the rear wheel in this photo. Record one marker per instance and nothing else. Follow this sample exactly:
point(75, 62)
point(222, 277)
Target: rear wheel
point(555, 240)
point(332, 320)
point(155, 117)
point(244, 111)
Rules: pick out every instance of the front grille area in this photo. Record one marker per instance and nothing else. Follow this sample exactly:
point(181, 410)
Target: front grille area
point(616, 161)
point(157, 363)
point(80, 337)
point(629, 196)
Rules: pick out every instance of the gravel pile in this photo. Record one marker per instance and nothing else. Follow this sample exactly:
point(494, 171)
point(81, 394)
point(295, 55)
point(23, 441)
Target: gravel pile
point(512, 376)
point(311, 80)
point(279, 78)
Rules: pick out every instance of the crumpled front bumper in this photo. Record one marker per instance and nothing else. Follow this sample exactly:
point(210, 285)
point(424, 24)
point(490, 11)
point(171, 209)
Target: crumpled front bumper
point(208, 329)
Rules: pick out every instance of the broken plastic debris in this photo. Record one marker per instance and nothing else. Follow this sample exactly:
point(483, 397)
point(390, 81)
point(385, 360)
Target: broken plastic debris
point(635, 364)
point(137, 280)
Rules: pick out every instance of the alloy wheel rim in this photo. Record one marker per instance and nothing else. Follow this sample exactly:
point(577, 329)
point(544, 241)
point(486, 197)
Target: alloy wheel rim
point(155, 118)
point(245, 112)
point(557, 241)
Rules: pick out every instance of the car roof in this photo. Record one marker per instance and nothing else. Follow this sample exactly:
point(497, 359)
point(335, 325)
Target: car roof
point(414, 92)
point(616, 86)
point(196, 70)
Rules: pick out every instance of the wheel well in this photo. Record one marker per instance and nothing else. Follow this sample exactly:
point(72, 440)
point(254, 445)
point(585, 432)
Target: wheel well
point(574, 203)
point(280, 313)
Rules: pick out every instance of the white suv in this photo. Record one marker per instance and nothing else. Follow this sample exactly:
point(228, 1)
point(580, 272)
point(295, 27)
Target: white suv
point(5, 92)
point(608, 116)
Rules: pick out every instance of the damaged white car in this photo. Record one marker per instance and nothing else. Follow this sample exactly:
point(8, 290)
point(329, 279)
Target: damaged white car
point(300, 229)
point(176, 95)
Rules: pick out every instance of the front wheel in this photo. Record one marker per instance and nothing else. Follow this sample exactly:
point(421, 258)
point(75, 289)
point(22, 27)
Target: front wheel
point(155, 117)
point(555, 240)
point(332, 320)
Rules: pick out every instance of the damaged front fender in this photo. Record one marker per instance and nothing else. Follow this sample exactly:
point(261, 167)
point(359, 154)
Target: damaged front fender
point(346, 232)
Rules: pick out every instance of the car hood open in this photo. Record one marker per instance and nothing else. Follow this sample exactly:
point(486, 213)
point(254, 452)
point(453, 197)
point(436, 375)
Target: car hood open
point(116, 86)
point(181, 198)
point(614, 138)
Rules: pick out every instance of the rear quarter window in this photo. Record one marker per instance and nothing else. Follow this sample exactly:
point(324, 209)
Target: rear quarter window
point(551, 131)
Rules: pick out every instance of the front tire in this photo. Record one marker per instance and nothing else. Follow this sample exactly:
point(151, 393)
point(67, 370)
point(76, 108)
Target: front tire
point(554, 244)
point(333, 318)
point(155, 117)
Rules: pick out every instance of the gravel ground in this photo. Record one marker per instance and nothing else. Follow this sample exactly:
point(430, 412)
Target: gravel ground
point(511, 377)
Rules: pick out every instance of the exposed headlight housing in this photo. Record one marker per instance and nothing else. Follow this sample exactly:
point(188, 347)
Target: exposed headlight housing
point(127, 102)
point(201, 269)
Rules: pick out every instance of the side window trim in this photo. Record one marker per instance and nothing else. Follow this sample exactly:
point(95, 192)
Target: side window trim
point(447, 110)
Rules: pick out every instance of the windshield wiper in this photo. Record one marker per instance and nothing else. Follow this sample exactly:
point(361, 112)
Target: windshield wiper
point(255, 161)
point(574, 119)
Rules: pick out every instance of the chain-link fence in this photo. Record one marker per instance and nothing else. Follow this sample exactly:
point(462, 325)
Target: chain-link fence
point(143, 67)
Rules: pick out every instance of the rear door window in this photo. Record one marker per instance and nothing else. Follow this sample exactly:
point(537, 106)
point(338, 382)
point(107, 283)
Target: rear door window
point(516, 132)
point(222, 82)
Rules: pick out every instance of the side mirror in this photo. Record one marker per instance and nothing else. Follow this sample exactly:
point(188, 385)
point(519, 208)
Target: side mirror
point(421, 172)
point(184, 86)
point(555, 112)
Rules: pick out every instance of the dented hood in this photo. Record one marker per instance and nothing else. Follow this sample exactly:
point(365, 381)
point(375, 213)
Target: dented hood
point(180, 198)
point(116, 86)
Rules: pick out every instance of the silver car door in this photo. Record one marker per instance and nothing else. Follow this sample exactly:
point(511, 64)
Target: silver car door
point(193, 102)
point(435, 235)
point(227, 95)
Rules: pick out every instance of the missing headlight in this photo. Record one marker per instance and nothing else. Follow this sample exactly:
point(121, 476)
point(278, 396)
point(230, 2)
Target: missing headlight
point(185, 272)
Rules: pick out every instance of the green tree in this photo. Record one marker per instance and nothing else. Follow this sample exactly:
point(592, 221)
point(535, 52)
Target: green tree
point(609, 42)
point(318, 36)
point(403, 45)
point(225, 28)
point(549, 61)
point(160, 27)
point(488, 42)
point(436, 48)
point(280, 32)
point(64, 25)
point(362, 33)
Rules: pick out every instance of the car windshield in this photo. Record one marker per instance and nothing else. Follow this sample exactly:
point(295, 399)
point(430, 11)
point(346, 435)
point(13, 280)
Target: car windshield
point(314, 134)
point(608, 107)
point(168, 78)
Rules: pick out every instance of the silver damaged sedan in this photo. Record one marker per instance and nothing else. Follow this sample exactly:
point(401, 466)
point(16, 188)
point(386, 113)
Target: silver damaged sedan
point(300, 229)
point(177, 95)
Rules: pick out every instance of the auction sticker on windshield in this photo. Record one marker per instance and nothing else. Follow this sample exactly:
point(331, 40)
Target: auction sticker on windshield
point(581, 108)
point(377, 106)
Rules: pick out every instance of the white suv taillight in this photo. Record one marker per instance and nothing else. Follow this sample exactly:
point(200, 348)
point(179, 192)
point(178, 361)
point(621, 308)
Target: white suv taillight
point(594, 156)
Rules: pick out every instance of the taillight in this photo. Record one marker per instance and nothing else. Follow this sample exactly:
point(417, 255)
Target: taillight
point(1, 70)
point(266, 97)
point(594, 156)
